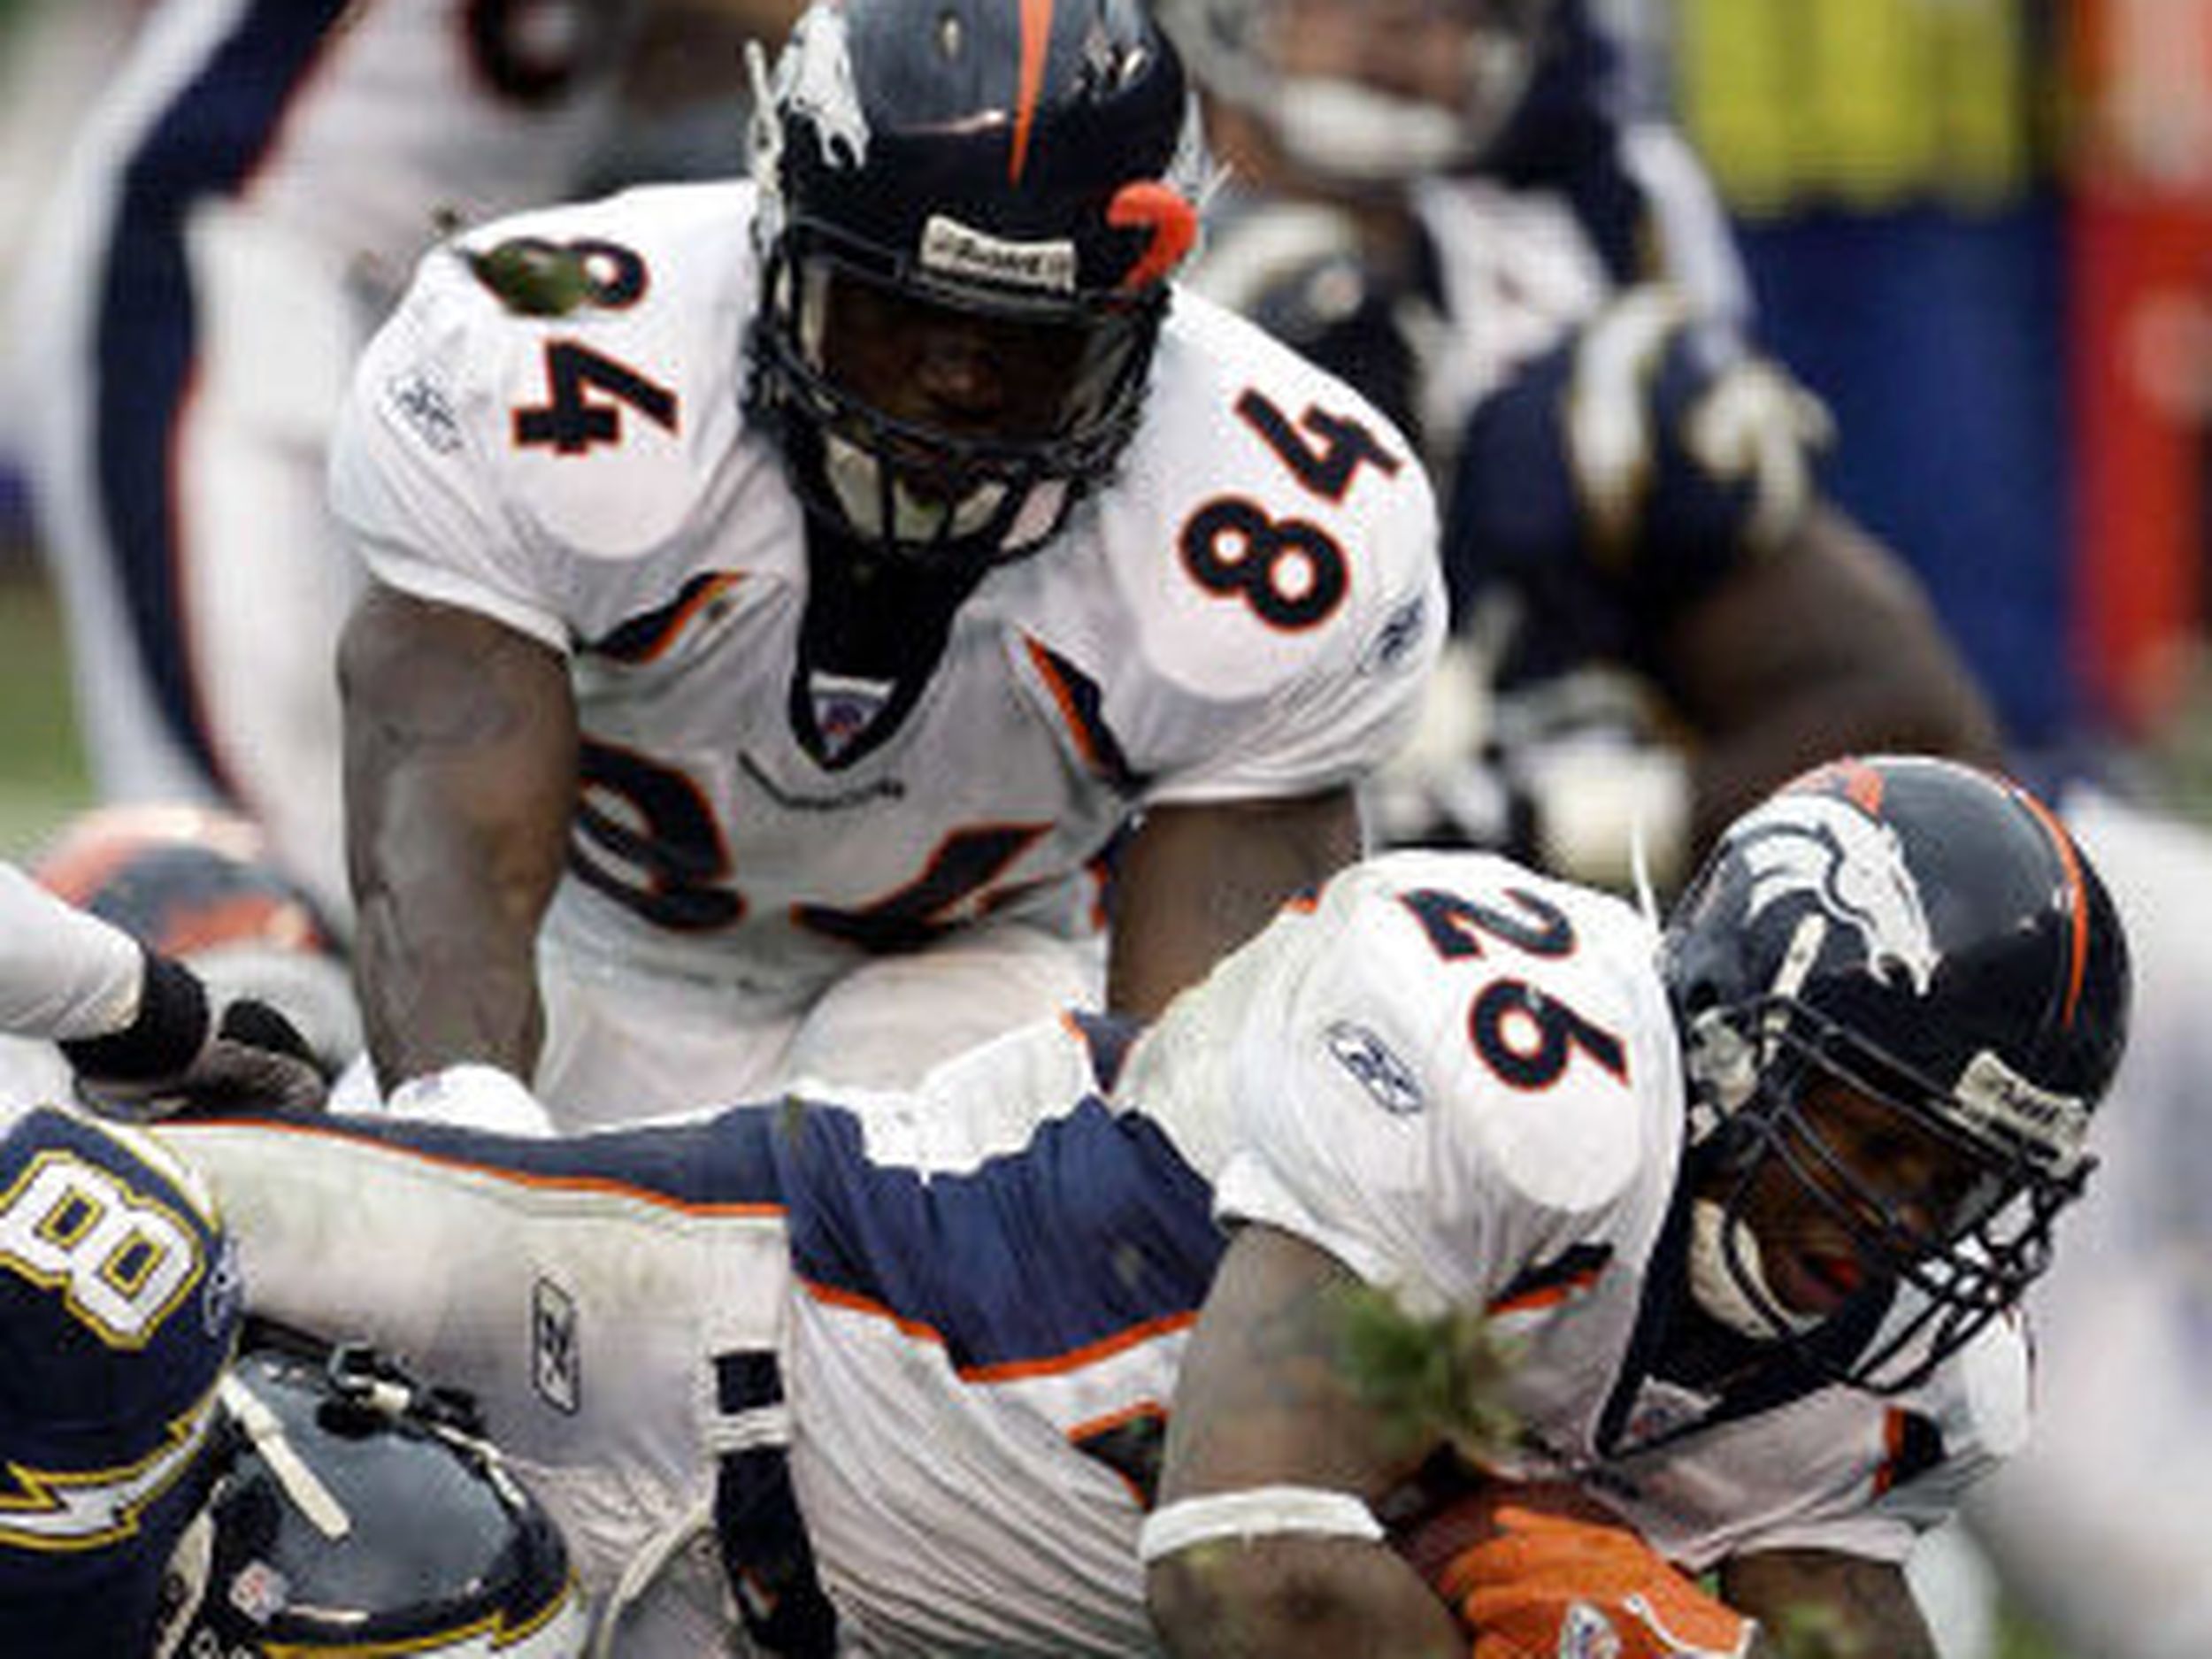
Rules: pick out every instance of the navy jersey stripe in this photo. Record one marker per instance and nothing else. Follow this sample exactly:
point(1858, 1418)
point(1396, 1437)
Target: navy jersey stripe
point(207, 143)
point(1093, 1230)
point(723, 1162)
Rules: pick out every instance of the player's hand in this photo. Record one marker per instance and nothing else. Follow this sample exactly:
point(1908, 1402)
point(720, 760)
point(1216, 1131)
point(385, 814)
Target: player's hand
point(186, 1054)
point(1539, 1570)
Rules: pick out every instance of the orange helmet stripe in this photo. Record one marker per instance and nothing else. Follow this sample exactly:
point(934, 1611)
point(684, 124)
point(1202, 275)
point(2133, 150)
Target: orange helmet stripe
point(1036, 43)
point(2076, 899)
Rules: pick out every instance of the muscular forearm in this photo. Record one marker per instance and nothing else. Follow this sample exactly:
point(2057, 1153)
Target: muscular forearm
point(460, 783)
point(1289, 1597)
point(1831, 1606)
point(443, 983)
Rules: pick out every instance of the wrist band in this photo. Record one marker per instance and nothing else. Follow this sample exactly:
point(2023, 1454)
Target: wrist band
point(164, 1036)
point(1256, 1512)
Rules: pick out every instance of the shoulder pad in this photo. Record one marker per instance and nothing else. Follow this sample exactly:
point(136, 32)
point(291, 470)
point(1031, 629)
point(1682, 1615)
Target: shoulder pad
point(1267, 516)
point(585, 359)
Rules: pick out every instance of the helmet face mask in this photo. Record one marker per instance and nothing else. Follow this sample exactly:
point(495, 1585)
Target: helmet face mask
point(964, 262)
point(1356, 93)
point(1045, 396)
point(1903, 992)
point(1835, 1160)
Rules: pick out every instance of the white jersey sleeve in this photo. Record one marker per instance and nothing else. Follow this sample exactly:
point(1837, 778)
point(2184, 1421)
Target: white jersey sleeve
point(1300, 605)
point(507, 455)
point(1447, 1071)
point(63, 973)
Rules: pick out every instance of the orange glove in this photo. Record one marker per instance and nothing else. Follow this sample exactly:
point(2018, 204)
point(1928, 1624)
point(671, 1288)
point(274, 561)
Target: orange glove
point(1536, 1571)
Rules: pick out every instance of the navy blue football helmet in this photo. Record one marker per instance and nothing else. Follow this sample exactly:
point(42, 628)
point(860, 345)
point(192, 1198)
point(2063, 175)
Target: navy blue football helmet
point(118, 1313)
point(353, 1511)
point(1028, 173)
point(1927, 940)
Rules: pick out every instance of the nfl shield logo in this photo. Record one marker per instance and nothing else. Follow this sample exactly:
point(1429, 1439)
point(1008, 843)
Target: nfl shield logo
point(845, 707)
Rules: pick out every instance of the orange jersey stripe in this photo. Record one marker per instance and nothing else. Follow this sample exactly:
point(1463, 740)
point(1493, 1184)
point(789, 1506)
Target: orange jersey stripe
point(1009, 1371)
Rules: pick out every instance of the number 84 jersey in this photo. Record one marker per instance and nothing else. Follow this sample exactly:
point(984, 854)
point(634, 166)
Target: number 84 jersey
point(1246, 612)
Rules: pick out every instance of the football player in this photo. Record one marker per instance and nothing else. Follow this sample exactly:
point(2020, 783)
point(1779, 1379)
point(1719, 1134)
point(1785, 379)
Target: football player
point(1729, 1224)
point(168, 1495)
point(804, 608)
point(1472, 210)
point(241, 206)
point(164, 1495)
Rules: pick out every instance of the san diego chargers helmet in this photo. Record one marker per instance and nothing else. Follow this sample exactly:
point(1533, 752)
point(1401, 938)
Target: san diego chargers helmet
point(355, 1512)
point(1304, 70)
point(118, 1312)
point(1918, 934)
point(1031, 169)
point(202, 885)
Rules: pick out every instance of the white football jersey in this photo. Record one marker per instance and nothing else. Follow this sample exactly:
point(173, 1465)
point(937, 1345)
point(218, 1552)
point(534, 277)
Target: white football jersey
point(1462, 1080)
point(1247, 611)
point(1458, 1077)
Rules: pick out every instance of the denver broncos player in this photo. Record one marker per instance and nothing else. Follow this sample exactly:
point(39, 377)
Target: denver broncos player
point(1474, 211)
point(795, 593)
point(1749, 1207)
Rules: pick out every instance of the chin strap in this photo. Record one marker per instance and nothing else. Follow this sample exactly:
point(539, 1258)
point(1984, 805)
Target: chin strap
point(262, 1427)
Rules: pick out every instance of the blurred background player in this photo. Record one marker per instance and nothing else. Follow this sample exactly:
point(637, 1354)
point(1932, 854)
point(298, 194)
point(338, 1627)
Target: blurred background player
point(245, 198)
point(1474, 211)
point(819, 621)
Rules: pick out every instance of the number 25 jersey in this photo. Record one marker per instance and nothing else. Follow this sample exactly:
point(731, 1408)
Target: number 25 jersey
point(1246, 610)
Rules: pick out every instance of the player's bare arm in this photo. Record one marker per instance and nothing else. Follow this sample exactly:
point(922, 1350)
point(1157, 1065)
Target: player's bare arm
point(460, 777)
point(1195, 882)
point(1826, 645)
point(1834, 1606)
point(1263, 1408)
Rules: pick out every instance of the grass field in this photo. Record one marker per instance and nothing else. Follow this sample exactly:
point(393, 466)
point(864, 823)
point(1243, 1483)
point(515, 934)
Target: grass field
point(42, 771)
